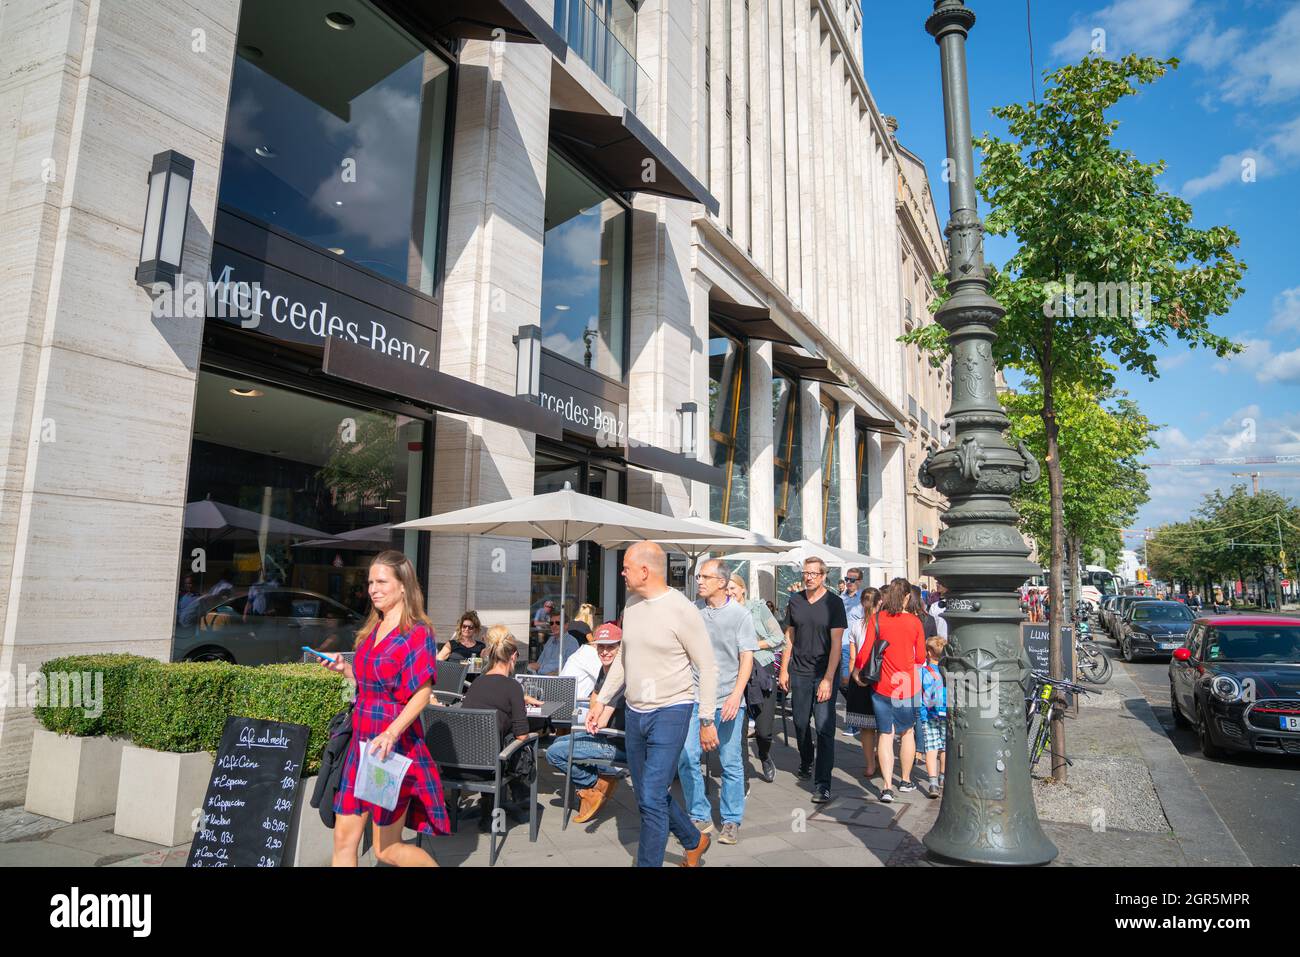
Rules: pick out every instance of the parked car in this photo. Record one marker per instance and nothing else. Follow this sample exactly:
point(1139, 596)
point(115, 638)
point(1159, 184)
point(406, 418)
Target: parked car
point(1116, 616)
point(271, 627)
point(1104, 608)
point(1153, 627)
point(1237, 682)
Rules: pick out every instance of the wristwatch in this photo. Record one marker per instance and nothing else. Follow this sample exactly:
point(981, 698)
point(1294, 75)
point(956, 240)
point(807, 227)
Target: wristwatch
point(706, 722)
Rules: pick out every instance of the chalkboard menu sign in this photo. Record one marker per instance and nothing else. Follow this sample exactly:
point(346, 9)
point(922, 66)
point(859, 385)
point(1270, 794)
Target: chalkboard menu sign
point(1036, 638)
point(248, 809)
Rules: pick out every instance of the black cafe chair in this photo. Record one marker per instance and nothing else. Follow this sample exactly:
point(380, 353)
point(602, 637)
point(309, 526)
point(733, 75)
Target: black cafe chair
point(568, 773)
point(467, 739)
point(554, 689)
point(451, 676)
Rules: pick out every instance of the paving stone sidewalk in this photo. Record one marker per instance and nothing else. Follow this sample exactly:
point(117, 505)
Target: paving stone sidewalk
point(1125, 775)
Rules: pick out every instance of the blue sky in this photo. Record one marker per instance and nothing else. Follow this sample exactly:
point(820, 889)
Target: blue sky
point(1235, 98)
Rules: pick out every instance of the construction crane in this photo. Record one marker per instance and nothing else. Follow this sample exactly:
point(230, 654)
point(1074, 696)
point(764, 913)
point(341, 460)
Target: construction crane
point(1254, 476)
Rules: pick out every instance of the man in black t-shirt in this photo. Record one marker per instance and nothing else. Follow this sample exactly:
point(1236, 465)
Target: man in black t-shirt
point(814, 627)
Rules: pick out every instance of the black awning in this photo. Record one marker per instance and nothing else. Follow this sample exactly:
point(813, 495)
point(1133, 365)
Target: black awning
point(373, 369)
point(618, 147)
point(480, 19)
point(674, 463)
point(753, 322)
point(806, 366)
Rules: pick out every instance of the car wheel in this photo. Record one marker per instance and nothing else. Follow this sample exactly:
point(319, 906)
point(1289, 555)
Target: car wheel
point(1128, 651)
point(1180, 719)
point(1205, 738)
point(211, 654)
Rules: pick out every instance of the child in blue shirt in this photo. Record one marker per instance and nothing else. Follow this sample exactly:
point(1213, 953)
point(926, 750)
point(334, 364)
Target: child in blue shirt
point(932, 716)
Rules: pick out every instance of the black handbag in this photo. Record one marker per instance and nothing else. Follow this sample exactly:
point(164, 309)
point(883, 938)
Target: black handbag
point(338, 740)
point(871, 673)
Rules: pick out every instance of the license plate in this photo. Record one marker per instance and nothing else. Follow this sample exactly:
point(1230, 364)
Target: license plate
point(1170, 645)
point(1290, 723)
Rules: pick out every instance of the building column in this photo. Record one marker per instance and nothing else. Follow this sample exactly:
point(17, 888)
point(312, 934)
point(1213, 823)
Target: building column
point(700, 388)
point(762, 484)
point(492, 287)
point(96, 395)
point(847, 462)
point(894, 503)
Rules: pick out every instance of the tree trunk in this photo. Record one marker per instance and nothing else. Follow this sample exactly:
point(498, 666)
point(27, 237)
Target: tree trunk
point(1055, 592)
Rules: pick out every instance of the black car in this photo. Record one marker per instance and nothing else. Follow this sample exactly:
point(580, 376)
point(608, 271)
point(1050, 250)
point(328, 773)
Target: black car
point(1153, 628)
point(1237, 682)
point(1113, 619)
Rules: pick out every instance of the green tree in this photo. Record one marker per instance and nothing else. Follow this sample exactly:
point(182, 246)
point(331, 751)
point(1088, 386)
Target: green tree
point(1107, 264)
point(1103, 482)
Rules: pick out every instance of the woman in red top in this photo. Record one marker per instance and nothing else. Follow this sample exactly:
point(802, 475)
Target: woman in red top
point(892, 697)
point(393, 669)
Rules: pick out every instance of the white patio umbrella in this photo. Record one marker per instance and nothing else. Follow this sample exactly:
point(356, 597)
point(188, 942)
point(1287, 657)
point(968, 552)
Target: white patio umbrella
point(804, 549)
point(565, 518)
point(724, 540)
point(209, 516)
point(551, 553)
point(369, 539)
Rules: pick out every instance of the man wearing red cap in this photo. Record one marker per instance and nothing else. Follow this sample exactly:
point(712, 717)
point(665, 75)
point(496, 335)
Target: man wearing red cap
point(591, 751)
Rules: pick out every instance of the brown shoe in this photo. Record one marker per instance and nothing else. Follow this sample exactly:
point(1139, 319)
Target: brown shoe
point(593, 798)
point(693, 856)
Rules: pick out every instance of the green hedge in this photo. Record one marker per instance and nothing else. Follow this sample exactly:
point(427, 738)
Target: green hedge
point(183, 706)
point(180, 706)
point(118, 673)
point(298, 693)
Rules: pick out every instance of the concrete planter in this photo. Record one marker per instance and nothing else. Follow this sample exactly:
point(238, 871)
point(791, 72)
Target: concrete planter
point(159, 794)
point(73, 779)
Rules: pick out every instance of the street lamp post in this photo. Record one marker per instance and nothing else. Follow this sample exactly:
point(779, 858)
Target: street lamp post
point(987, 815)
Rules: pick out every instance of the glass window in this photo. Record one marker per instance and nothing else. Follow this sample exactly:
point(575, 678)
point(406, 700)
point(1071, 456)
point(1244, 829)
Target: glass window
point(788, 453)
point(729, 429)
point(336, 133)
point(830, 473)
point(864, 495)
point(584, 271)
point(289, 498)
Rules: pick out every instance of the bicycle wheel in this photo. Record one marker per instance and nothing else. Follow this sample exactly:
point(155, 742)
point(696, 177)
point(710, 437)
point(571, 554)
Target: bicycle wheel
point(1039, 734)
point(1094, 666)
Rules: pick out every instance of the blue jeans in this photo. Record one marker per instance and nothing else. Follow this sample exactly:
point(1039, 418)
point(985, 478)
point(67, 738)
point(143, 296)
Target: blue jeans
point(807, 712)
point(731, 739)
point(654, 743)
point(589, 752)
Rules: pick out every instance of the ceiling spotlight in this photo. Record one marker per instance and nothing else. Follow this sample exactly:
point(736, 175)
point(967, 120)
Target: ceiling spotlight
point(338, 202)
point(562, 308)
point(249, 393)
point(265, 152)
point(340, 21)
point(600, 262)
point(337, 250)
point(250, 52)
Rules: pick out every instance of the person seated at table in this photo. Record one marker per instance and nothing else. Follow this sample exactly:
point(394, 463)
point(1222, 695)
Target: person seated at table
point(548, 662)
point(497, 690)
point(583, 666)
point(465, 644)
point(591, 751)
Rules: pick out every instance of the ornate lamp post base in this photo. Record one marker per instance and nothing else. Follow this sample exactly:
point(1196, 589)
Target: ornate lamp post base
point(987, 815)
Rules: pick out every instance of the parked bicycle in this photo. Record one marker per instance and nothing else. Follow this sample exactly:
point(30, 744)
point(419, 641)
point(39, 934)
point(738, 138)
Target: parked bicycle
point(1042, 705)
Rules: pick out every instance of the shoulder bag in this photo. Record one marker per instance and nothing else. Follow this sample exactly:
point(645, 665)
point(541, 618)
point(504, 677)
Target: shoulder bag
point(871, 673)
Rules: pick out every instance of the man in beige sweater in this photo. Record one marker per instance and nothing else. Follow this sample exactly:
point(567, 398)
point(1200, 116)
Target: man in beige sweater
point(663, 637)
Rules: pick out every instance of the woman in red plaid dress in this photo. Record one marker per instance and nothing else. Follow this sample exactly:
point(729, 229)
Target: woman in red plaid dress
point(394, 671)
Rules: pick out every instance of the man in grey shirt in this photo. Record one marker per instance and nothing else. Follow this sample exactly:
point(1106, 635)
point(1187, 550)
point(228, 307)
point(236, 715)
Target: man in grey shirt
point(734, 639)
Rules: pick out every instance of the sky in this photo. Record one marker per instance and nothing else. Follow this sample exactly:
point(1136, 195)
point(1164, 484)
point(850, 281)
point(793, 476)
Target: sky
point(1231, 107)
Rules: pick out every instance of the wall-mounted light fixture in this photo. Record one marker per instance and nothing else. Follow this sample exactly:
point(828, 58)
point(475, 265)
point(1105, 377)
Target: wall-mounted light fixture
point(528, 370)
point(170, 180)
point(688, 414)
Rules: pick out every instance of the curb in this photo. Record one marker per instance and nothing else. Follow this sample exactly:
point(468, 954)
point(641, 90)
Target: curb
point(1204, 838)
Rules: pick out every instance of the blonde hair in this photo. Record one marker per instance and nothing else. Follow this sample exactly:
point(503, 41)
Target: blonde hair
point(500, 647)
point(412, 597)
point(935, 646)
point(587, 615)
point(740, 583)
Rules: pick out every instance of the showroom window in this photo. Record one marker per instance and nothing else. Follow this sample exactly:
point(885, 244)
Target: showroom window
point(584, 271)
point(864, 493)
point(830, 473)
point(729, 429)
point(290, 496)
point(336, 133)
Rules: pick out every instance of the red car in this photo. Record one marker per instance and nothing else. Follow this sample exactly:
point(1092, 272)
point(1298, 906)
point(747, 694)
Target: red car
point(1236, 680)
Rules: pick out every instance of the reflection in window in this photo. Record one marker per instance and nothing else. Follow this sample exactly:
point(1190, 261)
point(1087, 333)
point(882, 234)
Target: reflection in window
point(336, 135)
point(864, 495)
point(584, 271)
point(830, 473)
point(729, 430)
point(787, 454)
point(290, 497)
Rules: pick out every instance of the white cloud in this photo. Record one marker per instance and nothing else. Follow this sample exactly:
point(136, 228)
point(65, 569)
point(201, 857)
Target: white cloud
point(1283, 367)
point(1269, 71)
point(1169, 363)
point(1210, 49)
point(1286, 310)
point(1152, 27)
